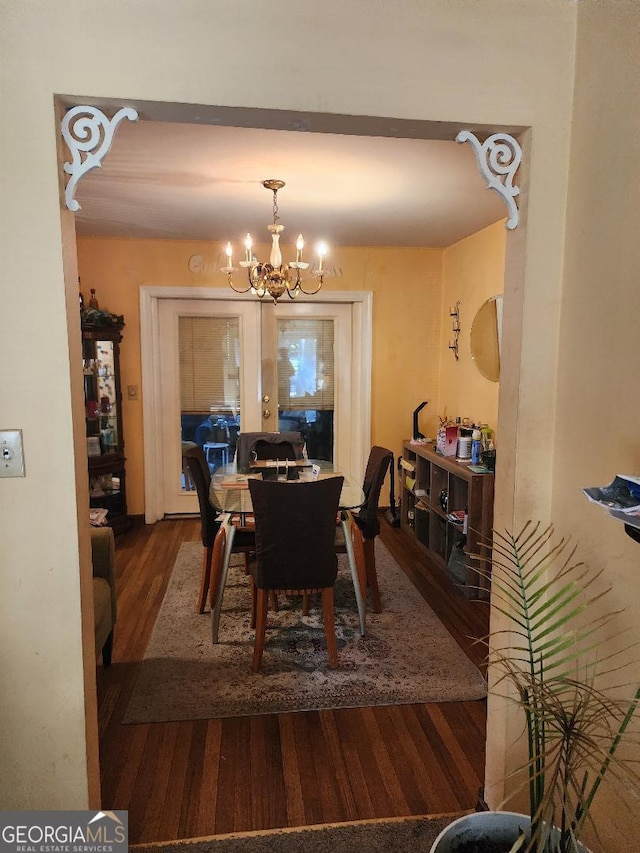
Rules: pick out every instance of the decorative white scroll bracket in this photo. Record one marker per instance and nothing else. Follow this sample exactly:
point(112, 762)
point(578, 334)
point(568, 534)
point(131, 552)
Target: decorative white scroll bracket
point(498, 159)
point(88, 131)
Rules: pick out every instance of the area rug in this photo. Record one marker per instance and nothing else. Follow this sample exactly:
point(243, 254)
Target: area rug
point(397, 835)
point(407, 655)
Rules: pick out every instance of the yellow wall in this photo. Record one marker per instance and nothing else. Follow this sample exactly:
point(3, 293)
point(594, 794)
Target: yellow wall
point(598, 399)
point(499, 62)
point(473, 271)
point(406, 286)
point(412, 289)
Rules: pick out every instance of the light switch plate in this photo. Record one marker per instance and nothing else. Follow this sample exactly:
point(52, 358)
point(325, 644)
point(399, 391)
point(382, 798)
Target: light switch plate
point(11, 456)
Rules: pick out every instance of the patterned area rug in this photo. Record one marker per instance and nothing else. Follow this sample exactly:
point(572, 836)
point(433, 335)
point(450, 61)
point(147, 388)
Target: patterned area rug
point(406, 656)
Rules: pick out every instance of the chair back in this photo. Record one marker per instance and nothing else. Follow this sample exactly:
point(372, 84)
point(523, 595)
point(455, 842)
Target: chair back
point(295, 533)
point(271, 445)
point(201, 477)
point(367, 516)
point(273, 450)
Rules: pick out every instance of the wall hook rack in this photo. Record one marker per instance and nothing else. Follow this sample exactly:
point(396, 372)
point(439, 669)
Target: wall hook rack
point(454, 313)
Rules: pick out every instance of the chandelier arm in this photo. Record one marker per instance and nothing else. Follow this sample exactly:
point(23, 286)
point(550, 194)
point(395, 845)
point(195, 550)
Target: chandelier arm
point(236, 289)
point(311, 292)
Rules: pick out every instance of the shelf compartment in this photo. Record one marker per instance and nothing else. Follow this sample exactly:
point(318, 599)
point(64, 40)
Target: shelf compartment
point(439, 484)
point(438, 535)
point(458, 565)
point(423, 474)
point(458, 494)
point(429, 525)
point(422, 524)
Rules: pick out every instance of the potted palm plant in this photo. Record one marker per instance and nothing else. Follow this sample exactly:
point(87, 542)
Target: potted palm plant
point(548, 653)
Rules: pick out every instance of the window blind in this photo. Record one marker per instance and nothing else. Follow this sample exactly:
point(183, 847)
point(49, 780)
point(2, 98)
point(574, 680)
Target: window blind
point(209, 357)
point(305, 364)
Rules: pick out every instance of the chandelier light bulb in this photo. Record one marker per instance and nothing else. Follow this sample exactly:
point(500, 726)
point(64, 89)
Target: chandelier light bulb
point(229, 254)
point(322, 250)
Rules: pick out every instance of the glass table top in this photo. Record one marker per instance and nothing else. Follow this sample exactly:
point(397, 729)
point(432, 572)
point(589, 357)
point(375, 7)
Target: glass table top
point(229, 491)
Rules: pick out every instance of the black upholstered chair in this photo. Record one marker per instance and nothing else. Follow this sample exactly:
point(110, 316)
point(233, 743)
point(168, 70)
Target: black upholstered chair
point(295, 550)
point(213, 539)
point(366, 518)
point(267, 445)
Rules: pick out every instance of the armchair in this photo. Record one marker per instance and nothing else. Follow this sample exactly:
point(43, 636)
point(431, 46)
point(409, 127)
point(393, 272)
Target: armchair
point(104, 590)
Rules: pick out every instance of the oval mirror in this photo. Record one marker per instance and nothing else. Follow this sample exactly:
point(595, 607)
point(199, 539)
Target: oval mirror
point(486, 338)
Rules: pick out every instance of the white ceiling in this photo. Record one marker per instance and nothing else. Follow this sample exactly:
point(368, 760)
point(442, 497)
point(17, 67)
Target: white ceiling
point(166, 179)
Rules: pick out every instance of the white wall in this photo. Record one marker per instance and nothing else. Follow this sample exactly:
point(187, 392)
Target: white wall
point(499, 62)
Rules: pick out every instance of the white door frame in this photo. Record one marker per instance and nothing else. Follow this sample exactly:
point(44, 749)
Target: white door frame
point(177, 500)
point(362, 332)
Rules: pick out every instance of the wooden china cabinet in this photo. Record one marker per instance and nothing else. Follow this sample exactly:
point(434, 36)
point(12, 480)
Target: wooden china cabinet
point(101, 337)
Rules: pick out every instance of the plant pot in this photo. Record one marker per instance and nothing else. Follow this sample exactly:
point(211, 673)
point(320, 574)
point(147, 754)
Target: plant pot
point(484, 832)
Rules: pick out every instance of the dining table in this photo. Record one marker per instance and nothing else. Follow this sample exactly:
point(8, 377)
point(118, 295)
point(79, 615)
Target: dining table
point(229, 494)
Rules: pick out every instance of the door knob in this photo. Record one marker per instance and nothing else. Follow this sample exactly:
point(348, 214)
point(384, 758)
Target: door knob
point(266, 414)
point(266, 398)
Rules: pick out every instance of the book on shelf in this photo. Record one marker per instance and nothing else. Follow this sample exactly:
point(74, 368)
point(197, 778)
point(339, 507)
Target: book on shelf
point(456, 517)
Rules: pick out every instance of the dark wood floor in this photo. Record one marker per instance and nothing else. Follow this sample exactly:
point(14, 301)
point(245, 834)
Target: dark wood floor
point(205, 777)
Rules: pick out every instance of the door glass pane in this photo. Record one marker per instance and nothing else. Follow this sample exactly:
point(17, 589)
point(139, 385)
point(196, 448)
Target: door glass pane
point(305, 373)
point(209, 364)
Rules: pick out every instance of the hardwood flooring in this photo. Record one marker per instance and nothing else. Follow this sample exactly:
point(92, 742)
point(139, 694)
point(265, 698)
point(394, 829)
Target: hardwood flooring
point(206, 777)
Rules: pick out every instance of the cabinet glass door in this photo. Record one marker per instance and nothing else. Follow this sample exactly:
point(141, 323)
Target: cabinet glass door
point(101, 402)
point(103, 419)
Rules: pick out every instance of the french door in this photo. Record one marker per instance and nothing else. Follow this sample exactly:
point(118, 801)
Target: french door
point(227, 366)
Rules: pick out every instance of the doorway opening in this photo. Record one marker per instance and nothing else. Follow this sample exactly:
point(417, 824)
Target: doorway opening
point(355, 126)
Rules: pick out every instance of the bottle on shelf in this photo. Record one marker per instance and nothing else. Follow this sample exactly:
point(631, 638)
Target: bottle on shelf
point(476, 446)
point(485, 434)
point(462, 542)
point(93, 302)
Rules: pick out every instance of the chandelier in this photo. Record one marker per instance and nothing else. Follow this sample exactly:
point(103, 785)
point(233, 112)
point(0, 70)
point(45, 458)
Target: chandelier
point(275, 278)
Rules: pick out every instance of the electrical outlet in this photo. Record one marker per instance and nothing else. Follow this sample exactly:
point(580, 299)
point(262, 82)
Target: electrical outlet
point(11, 456)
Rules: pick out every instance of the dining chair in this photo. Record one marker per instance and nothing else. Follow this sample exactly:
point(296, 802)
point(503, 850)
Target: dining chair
point(367, 520)
point(267, 445)
point(295, 550)
point(211, 522)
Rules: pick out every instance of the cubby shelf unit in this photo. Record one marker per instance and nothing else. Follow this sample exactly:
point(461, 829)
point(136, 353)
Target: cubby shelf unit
point(426, 475)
